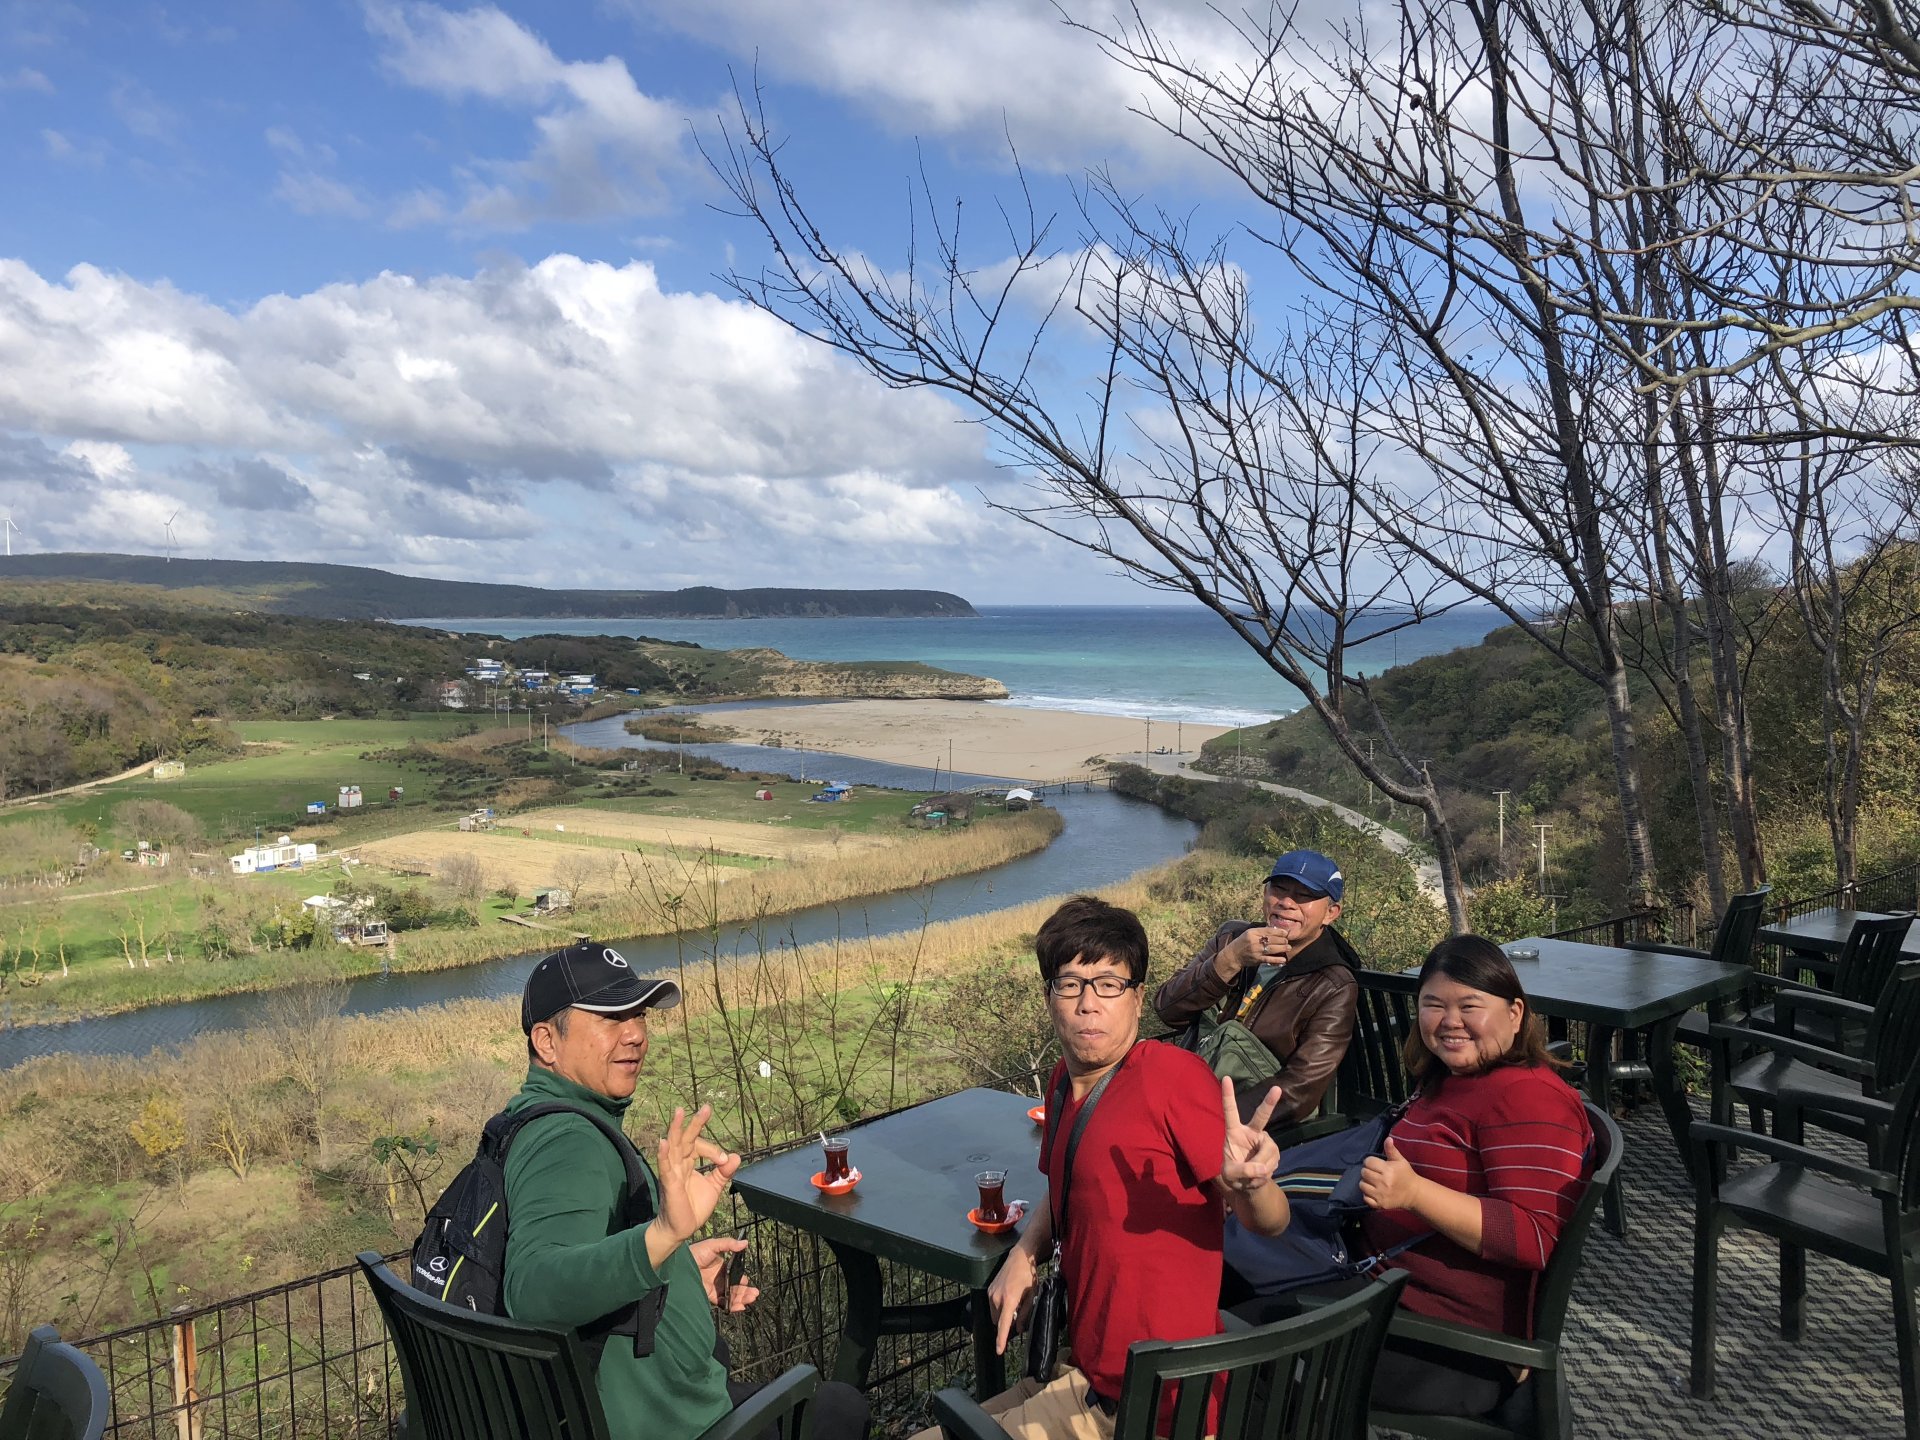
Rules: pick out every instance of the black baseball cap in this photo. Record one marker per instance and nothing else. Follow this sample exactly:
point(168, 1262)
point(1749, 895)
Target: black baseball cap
point(592, 977)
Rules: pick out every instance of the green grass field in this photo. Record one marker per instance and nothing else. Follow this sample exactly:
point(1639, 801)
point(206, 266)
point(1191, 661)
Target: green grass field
point(270, 789)
point(733, 800)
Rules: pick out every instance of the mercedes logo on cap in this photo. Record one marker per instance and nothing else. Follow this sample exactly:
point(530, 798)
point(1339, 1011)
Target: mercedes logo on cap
point(614, 957)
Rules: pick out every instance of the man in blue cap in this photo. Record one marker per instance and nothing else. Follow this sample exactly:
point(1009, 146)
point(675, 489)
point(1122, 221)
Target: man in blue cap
point(1290, 981)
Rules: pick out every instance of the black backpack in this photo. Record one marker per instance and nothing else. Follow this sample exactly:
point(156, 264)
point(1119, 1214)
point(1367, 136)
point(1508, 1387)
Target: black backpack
point(461, 1255)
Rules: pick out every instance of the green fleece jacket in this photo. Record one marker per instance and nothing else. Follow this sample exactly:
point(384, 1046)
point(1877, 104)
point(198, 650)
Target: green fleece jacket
point(565, 1190)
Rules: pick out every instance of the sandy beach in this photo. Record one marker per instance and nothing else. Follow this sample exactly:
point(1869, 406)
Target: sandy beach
point(985, 739)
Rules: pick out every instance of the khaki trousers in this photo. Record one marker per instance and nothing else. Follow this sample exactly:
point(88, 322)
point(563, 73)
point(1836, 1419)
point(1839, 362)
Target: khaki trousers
point(1056, 1411)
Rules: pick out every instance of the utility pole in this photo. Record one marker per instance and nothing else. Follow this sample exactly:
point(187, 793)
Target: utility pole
point(1501, 796)
point(949, 761)
point(543, 729)
point(1149, 744)
point(1179, 738)
point(1543, 854)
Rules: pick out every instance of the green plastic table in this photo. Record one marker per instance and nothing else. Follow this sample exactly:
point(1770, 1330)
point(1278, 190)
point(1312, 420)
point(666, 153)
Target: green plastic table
point(1824, 932)
point(1610, 989)
point(916, 1187)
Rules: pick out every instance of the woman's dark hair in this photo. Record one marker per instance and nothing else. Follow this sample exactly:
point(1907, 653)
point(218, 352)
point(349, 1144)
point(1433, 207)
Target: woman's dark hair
point(1477, 963)
point(1087, 927)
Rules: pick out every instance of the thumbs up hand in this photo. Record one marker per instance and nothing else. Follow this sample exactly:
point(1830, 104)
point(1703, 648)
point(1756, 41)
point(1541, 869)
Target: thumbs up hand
point(1387, 1181)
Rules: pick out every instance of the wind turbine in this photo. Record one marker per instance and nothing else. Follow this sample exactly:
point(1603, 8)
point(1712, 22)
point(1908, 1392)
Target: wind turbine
point(11, 528)
point(172, 543)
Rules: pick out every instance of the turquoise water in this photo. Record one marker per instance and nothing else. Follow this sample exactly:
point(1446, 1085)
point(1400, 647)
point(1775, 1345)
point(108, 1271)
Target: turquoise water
point(1160, 662)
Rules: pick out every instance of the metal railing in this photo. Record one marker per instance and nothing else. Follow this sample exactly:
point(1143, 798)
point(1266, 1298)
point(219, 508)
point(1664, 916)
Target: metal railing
point(311, 1358)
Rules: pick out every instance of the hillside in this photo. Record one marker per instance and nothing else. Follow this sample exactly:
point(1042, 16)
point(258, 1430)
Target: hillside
point(89, 689)
point(286, 587)
point(1503, 715)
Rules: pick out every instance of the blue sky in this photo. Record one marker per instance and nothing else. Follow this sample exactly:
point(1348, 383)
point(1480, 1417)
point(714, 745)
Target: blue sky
point(433, 288)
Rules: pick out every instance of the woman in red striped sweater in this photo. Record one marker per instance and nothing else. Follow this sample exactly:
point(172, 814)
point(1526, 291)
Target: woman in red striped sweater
point(1491, 1157)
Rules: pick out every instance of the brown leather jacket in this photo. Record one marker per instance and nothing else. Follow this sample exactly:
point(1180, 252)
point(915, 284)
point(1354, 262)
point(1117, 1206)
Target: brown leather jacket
point(1305, 1016)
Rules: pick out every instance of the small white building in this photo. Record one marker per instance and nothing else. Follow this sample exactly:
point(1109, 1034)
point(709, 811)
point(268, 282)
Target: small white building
point(350, 797)
point(282, 854)
point(169, 769)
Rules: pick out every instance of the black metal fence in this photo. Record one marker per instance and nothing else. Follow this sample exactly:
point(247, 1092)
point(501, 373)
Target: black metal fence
point(310, 1358)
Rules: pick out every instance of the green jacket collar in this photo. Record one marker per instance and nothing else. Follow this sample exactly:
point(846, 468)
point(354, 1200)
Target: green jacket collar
point(544, 1084)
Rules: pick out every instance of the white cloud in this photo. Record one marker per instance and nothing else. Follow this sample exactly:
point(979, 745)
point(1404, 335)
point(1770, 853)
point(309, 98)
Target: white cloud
point(26, 78)
point(310, 193)
point(107, 460)
point(976, 71)
point(388, 420)
point(601, 148)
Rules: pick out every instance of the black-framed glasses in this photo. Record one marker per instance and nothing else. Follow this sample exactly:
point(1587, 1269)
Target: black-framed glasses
point(1107, 987)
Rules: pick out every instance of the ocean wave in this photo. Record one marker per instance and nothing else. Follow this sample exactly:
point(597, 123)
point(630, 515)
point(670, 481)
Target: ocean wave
point(1159, 711)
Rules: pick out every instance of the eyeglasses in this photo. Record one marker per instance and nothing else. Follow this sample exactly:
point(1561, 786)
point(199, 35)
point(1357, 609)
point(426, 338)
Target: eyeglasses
point(1107, 987)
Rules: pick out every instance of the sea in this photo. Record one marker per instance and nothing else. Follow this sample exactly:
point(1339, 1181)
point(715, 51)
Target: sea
point(1157, 662)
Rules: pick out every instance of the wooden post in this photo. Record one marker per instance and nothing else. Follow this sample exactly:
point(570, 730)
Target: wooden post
point(186, 1381)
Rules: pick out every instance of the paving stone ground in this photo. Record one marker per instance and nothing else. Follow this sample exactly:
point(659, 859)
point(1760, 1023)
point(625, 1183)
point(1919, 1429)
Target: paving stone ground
point(1628, 1328)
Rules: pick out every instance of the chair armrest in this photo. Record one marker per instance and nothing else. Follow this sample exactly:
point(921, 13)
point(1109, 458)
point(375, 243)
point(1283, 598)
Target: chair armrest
point(1816, 1055)
point(961, 1418)
point(1703, 1137)
point(1767, 980)
point(1659, 948)
point(1798, 998)
point(777, 1401)
point(1472, 1340)
point(1863, 1107)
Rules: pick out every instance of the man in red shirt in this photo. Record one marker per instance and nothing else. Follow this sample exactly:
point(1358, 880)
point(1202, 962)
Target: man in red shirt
point(1163, 1150)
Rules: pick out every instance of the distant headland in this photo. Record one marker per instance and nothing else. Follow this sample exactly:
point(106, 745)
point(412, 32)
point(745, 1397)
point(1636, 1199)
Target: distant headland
point(353, 592)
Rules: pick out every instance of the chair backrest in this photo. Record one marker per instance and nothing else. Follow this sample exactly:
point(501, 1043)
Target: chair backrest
point(1303, 1378)
point(483, 1377)
point(1373, 1075)
point(1733, 938)
point(1555, 1289)
point(57, 1393)
point(1893, 1034)
point(1866, 963)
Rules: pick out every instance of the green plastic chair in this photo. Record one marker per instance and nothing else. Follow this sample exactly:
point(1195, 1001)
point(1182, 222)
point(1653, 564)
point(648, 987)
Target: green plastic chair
point(1865, 1216)
point(484, 1377)
point(1541, 1409)
point(1733, 941)
point(1303, 1378)
point(1776, 1061)
point(1861, 972)
point(57, 1393)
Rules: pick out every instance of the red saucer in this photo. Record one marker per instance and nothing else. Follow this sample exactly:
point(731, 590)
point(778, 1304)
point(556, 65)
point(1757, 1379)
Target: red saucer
point(1038, 1114)
point(837, 1187)
point(1015, 1214)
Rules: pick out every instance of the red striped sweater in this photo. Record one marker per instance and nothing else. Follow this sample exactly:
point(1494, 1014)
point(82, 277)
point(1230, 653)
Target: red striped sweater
point(1518, 1137)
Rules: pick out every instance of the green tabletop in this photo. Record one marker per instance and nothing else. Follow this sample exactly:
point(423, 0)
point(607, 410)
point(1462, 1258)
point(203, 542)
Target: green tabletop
point(916, 1184)
point(1824, 932)
point(1626, 989)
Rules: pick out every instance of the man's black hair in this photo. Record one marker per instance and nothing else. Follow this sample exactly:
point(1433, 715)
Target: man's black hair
point(1088, 928)
point(559, 1022)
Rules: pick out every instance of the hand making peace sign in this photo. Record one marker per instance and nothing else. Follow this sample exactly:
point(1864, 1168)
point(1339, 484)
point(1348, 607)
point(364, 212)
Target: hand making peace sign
point(1251, 1155)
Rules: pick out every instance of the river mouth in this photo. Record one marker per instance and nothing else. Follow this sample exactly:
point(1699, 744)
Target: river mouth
point(1106, 838)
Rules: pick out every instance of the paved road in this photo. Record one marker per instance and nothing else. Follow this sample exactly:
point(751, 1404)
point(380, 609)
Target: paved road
point(1426, 870)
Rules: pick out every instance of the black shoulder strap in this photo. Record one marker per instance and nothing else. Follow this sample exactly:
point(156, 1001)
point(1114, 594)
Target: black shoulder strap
point(1054, 1107)
point(640, 1318)
point(501, 1130)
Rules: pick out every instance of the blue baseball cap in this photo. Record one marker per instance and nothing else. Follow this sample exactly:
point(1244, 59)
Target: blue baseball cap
point(1311, 869)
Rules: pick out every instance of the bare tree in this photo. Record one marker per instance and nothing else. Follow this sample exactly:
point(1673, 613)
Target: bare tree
point(1201, 467)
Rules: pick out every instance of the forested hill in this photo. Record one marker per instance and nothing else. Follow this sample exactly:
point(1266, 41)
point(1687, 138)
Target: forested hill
point(288, 587)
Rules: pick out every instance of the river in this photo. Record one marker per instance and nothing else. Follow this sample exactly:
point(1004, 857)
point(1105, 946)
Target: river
point(1107, 838)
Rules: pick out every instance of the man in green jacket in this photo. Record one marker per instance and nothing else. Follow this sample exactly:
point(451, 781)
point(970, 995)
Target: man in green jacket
point(573, 1260)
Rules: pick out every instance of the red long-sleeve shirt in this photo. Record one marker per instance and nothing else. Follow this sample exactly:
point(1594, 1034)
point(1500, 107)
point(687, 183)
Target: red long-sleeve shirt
point(1516, 1136)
